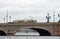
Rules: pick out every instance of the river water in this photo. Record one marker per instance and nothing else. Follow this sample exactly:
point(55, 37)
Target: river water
point(29, 37)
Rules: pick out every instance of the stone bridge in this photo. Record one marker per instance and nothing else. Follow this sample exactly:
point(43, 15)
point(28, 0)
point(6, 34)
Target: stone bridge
point(44, 29)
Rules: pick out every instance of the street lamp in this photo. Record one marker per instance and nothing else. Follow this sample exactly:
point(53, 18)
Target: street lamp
point(4, 19)
point(59, 17)
point(48, 17)
point(10, 18)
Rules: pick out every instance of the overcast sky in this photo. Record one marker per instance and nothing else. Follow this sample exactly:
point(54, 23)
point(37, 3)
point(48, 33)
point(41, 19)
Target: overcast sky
point(23, 9)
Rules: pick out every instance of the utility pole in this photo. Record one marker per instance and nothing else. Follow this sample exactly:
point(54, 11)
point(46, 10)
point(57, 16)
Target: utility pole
point(48, 17)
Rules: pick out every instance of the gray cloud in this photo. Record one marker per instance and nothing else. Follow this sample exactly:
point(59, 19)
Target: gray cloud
point(38, 9)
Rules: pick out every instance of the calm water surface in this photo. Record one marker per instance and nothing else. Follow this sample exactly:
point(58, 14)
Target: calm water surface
point(29, 37)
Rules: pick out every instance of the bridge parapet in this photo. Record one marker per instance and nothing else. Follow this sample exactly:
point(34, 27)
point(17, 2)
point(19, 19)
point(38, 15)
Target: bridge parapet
point(32, 24)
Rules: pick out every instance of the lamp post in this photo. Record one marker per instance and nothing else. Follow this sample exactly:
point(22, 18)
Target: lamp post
point(10, 18)
point(59, 17)
point(4, 19)
point(48, 17)
point(31, 18)
point(7, 17)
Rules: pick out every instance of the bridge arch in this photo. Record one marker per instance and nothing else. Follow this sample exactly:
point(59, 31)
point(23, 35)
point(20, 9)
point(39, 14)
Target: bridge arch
point(2, 33)
point(27, 32)
point(41, 32)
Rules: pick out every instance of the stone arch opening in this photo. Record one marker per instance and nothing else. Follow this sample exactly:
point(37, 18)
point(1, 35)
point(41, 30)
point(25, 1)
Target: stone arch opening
point(27, 32)
point(42, 32)
point(2, 33)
